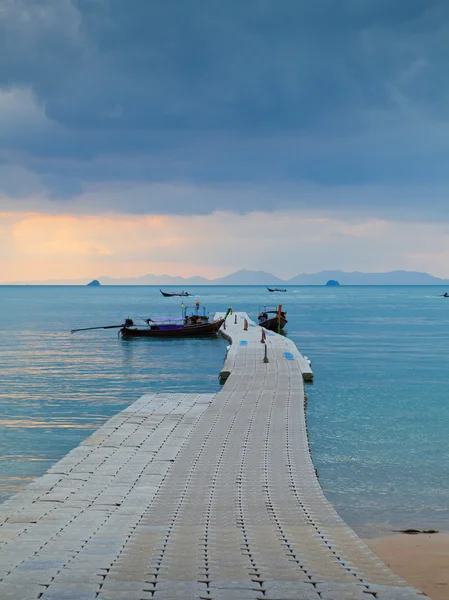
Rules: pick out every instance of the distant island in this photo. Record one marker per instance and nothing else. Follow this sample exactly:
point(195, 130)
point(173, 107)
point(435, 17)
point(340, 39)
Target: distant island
point(262, 278)
point(94, 283)
point(332, 283)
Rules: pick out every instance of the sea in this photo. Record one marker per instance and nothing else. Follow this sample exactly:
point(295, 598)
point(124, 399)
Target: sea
point(378, 410)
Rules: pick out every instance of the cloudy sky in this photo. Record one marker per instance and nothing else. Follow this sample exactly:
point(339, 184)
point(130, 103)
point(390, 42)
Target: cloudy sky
point(198, 137)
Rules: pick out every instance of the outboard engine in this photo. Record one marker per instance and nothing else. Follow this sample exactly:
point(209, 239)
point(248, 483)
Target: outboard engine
point(128, 322)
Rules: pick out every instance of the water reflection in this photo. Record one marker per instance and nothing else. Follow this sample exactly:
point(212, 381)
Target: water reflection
point(51, 424)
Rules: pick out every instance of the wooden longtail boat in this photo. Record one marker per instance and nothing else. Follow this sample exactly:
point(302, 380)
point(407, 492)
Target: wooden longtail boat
point(190, 324)
point(272, 318)
point(171, 328)
point(169, 294)
point(276, 289)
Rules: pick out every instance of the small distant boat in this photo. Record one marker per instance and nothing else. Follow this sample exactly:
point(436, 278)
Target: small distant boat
point(168, 294)
point(190, 324)
point(276, 289)
point(272, 317)
point(445, 295)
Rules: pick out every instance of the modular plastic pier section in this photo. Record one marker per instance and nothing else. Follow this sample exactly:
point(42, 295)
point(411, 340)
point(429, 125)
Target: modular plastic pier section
point(194, 496)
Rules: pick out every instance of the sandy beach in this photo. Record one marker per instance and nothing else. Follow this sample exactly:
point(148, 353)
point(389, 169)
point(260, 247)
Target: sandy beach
point(422, 560)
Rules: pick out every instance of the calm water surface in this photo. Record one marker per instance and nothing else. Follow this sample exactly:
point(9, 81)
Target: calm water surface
point(378, 411)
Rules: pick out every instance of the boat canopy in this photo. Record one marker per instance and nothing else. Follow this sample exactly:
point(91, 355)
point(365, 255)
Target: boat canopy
point(269, 309)
point(165, 320)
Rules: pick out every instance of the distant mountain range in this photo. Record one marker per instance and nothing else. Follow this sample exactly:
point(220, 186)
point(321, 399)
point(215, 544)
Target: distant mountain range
point(245, 277)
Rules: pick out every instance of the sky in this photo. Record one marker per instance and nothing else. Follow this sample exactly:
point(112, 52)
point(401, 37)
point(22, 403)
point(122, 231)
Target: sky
point(203, 137)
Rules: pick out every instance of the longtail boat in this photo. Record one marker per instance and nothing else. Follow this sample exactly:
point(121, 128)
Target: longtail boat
point(272, 317)
point(173, 328)
point(276, 289)
point(190, 324)
point(169, 294)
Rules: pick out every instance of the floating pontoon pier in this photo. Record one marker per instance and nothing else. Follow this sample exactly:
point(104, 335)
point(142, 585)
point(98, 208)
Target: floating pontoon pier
point(194, 496)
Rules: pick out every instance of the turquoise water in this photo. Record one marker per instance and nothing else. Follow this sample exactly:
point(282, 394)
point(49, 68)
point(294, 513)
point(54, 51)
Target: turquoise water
point(378, 411)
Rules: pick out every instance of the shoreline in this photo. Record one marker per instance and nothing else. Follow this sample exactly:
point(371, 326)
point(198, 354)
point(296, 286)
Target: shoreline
point(421, 559)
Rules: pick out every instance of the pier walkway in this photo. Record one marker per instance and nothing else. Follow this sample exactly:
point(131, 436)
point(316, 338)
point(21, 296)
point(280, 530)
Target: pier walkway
point(184, 496)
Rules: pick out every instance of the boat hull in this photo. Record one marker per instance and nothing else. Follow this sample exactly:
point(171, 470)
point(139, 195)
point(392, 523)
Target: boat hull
point(170, 295)
point(273, 324)
point(179, 332)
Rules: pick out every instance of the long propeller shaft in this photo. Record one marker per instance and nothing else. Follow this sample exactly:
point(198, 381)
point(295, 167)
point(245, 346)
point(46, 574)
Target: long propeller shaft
point(104, 327)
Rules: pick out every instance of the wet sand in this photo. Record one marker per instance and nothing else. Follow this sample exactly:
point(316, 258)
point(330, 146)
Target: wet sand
point(422, 560)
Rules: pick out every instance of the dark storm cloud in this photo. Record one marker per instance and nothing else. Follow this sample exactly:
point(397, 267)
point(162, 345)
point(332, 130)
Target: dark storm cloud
point(334, 92)
point(210, 64)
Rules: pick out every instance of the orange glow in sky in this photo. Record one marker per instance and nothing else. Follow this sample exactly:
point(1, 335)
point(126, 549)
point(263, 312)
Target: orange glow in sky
point(43, 247)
